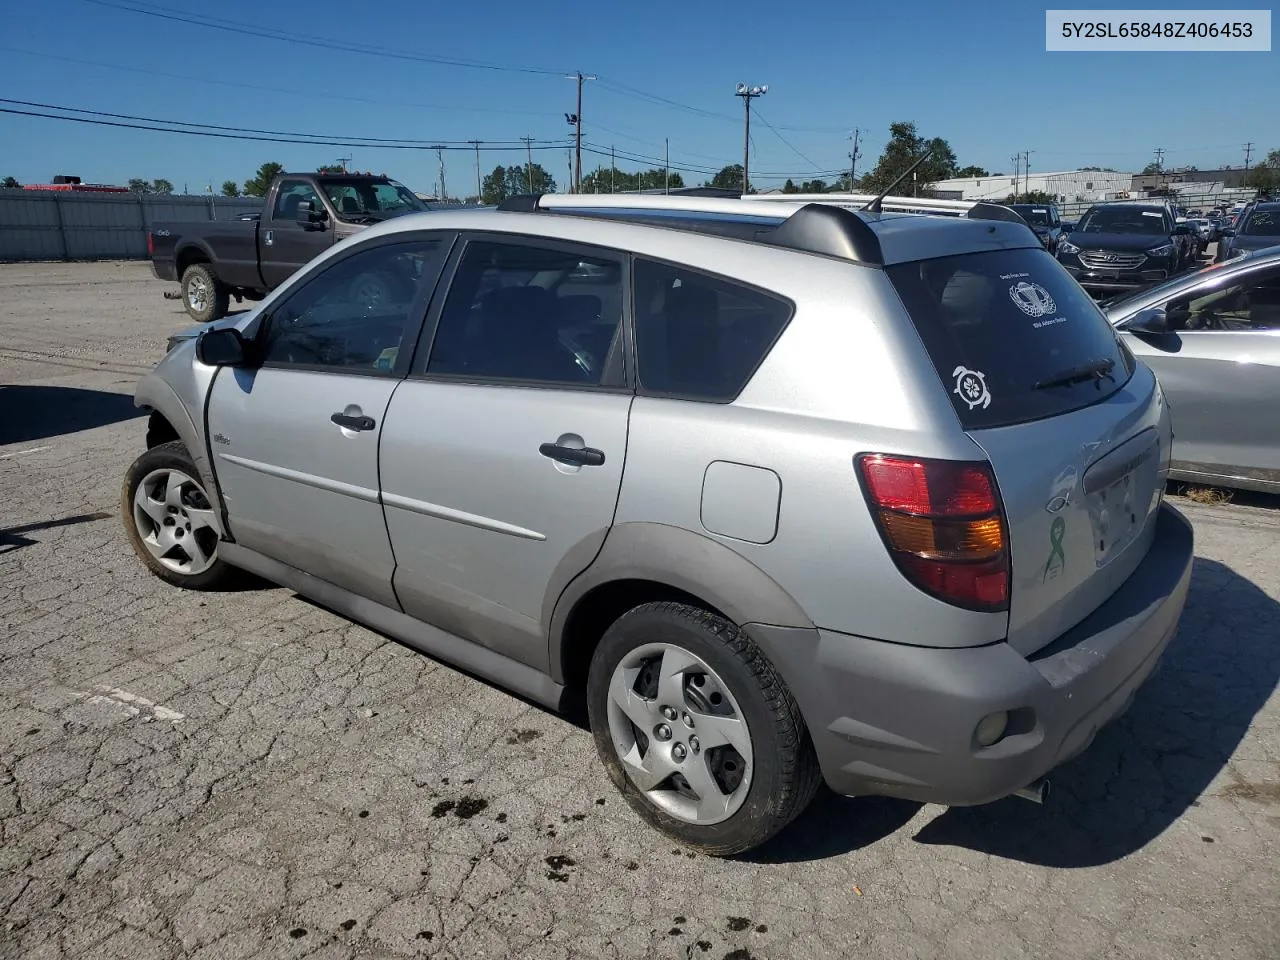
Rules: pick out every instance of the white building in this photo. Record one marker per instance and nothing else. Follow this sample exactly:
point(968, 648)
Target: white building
point(1068, 186)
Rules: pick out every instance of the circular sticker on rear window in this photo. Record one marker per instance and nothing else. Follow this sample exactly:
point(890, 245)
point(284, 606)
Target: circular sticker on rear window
point(1032, 299)
point(971, 387)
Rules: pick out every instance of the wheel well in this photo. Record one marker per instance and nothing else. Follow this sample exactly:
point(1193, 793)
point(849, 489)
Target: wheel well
point(159, 430)
point(596, 611)
point(189, 256)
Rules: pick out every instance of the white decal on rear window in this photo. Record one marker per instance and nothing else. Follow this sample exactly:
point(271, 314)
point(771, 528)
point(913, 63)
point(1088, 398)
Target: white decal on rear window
point(1032, 299)
point(971, 387)
point(1151, 213)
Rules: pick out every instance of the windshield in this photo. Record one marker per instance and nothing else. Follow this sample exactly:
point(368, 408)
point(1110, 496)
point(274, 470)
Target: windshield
point(1135, 220)
point(376, 199)
point(1262, 223)
point(1039, 216)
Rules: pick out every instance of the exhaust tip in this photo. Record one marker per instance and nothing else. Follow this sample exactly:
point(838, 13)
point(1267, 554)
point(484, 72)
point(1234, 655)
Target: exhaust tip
point(1037, 792)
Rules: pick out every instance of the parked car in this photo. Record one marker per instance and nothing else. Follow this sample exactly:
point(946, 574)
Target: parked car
point(1213, 339)
point(635, 447)
point(1044, 219)
point(245, 258)
point(1258, 228)
point(1122, 246)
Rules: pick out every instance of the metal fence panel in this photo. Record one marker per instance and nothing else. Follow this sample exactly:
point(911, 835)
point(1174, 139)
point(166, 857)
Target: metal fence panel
point(50, 225)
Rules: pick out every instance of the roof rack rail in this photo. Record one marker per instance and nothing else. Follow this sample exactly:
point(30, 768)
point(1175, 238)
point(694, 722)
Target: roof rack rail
point(811, 227)
point(859, 200)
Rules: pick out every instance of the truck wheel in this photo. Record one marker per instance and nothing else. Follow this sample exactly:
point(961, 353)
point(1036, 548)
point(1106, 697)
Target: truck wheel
point(697, 730)
point(203, 294)
point(170, 522)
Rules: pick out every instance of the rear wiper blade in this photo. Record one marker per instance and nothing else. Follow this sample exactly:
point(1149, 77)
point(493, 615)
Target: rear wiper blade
point(1096, 370)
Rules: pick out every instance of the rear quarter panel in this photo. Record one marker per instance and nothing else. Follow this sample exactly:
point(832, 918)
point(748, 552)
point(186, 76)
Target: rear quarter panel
point(849, 375)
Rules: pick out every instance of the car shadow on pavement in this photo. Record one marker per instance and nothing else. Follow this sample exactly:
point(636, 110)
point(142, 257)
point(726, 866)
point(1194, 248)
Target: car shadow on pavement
point(13, 538)
point(1148, 768)
point(30, 413)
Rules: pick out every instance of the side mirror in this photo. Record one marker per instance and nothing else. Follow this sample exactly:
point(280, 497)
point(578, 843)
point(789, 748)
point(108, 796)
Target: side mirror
point(1067, 227)
point(1152, 320)
point(221, 348)
point(310, 215)
point(1228, 231)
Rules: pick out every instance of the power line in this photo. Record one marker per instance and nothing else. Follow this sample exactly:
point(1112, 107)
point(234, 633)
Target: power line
point(244, 29)
point(213, 126)
point(258, 138)
point(260, 88)
point(784, 140)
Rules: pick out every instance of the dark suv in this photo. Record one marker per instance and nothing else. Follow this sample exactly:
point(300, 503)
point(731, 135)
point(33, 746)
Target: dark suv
point(1123, 246)
point(1257, 228)
point(1043, 218)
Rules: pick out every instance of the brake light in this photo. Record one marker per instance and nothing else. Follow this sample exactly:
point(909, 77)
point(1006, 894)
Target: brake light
point(942, 523)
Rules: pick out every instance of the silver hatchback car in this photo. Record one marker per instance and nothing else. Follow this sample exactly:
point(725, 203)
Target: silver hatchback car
point(792, 492)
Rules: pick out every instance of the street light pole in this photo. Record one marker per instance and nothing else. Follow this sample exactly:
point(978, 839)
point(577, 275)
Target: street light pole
point(747, 94)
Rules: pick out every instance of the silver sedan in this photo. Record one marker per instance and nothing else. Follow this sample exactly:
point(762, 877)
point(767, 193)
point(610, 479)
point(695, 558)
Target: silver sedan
point(1213, 339)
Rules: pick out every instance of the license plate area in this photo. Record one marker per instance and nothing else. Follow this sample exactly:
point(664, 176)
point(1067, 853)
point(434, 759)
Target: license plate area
point(1119, 515)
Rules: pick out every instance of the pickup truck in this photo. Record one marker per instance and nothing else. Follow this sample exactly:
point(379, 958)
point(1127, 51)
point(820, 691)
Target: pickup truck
point(246, 258)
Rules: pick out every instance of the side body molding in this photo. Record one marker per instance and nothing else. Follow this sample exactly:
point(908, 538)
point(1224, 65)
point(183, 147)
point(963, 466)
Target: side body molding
point(675, 557)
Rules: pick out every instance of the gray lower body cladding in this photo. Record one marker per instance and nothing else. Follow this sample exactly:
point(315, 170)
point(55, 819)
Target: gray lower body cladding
point(898, 720)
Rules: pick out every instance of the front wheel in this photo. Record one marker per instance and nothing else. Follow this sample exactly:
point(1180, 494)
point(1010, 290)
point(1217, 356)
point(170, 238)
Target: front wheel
point(170, 520)
point(697, 730)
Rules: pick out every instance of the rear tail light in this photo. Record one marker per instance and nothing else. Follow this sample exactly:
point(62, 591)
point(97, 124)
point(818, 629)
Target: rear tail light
point(942, 523)
point(151, 244)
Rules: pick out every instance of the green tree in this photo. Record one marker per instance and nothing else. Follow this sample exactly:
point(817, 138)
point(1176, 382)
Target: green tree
point(161, 186)
point(330, 168)
point(529, 179)
point(1034, 196)
point(10, 183)
point(905, 146)
point(613, 180)
point(230, 188)
point(1150, 170)
point(729, 178)
point(138, 185)
point(260, 184)
point(790, 186)
point(812, 186)
point(494, 189)
point(972, 172)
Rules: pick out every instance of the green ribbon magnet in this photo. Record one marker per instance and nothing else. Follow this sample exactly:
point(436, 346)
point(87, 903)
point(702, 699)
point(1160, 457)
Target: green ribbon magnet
point(1057, 557)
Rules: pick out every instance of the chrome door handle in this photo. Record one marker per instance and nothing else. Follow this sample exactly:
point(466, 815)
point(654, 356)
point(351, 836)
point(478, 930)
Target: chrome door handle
point(270, 237)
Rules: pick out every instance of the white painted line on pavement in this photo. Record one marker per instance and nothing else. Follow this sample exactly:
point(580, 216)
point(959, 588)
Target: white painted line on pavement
point(135, 704)
point(18, 453)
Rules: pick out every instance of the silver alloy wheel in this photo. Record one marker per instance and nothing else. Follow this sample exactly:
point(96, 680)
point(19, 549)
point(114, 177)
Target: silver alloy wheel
point(175, 521)
point(198, 293)
point(680, 734)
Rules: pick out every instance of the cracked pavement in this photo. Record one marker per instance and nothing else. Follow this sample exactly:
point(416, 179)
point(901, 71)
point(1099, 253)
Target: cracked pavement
point(246, 775)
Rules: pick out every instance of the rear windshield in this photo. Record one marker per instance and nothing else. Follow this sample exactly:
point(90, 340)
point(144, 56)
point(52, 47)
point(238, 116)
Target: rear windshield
point(1001, 326)
point(1262, 223)
point(1034, 215)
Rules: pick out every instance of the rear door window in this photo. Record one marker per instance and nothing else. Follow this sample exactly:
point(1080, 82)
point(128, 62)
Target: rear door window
point(698, 336)
point(1011, 335)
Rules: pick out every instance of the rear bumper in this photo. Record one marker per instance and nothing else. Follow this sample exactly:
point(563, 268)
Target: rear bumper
point(898, 720)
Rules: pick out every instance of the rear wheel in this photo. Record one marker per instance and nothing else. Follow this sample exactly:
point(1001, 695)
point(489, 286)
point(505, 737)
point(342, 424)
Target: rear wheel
point(170, 520)
point(203, 294)
point(697, 730)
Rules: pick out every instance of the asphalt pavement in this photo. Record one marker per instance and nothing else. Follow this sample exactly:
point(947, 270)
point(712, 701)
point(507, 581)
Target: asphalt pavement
point(246, 775)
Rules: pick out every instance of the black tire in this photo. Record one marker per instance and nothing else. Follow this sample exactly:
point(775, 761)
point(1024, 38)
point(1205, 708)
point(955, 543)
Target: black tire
point(213, 297)
point(785, 775)
point(170, 456)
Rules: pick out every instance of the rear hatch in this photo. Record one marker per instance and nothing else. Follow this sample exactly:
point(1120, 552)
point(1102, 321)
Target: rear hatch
point(1076, 431)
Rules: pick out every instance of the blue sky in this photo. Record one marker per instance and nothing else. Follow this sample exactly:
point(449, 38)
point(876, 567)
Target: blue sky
point(976, 75)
